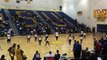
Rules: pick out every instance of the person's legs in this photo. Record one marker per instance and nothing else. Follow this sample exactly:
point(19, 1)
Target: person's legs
point(81, 40)
point(35, 38)
point(28, 40)
point(12, 57)
point(40, 42)
point(69, 42)
point(56, 37)
point(46, 44)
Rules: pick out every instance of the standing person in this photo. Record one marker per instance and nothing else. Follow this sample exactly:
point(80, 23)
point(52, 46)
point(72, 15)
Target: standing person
point(39, 39)
point(8, 38)
point(37, 56)
point(46, 37)
point(19, 53)
point(74, 48)
point(93, 31)
point(98, 48)
point(28, 38)
point(78, 49)
point(57, 55)
point(73, 36)
point(35, 36)
point(69, 39)
point(84, 35)
point(81, 34)
point(47, 42)
point(11, 51)
point(56, 34)
point(81, 39)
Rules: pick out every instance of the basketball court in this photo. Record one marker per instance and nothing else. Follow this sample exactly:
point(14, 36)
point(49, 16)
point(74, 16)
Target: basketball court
point(61, 45)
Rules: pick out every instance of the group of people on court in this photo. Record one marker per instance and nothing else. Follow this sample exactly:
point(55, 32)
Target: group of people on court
point(39, 38)
point(16, 51)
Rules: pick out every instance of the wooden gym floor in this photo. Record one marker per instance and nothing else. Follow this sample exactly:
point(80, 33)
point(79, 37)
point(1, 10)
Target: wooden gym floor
point(61, 45)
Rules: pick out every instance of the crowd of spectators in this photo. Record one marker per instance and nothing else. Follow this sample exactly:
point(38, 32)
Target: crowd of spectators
point(3, 27)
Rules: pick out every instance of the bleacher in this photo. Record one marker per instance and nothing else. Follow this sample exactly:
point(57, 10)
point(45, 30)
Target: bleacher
point(73, 22)
point(4, 25)
point(4, 18)
point(29, 20)
point(46, 19)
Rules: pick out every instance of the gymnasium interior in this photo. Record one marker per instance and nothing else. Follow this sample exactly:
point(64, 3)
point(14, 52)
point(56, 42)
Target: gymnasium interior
point(73, 29)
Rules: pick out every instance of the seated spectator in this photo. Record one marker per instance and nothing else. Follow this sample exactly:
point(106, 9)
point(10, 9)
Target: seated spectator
point(2, 57)
point(37, 56)
point(49, 56)
point(93, 57)
point(64, 57)
point(85, 54)
point(24, 56)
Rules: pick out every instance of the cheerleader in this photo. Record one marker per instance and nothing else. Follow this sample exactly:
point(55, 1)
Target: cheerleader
point(28, 38)
point(40, 39)
point(8, 38)
point(56, 34)
point(84, 35)
point(35, 36)
point(81, 39)
point(81, 33)
point(73, 36)
point(47, 42)
point(46, 36)
point(69, 39)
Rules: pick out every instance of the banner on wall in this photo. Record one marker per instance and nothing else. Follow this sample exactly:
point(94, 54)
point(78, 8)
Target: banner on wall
point(6, 0)
point(100, 14)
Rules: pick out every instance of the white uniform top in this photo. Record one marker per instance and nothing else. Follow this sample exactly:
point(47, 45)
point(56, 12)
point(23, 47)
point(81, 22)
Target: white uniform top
point(35, 35)
point(8, 36)
point(46, 35)
point(49, 55)
point(56, 34)
point(81, 38)
point(84, 34)
point(81, 32)
point(70, 38)
point(40, 38)
point(28, 36)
